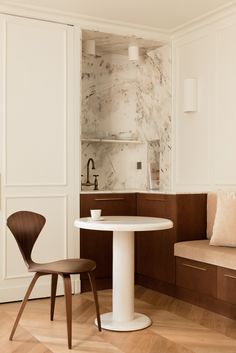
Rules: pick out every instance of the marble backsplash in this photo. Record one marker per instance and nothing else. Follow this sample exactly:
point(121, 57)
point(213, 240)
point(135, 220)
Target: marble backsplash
point(127, 100)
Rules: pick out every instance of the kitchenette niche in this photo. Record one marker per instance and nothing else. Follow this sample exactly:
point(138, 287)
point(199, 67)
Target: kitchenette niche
point(126, 112)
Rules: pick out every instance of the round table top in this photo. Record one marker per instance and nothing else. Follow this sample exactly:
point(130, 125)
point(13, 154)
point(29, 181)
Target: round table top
point(124, 223)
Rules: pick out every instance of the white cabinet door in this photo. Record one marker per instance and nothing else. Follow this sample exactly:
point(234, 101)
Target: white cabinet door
point(38, 144)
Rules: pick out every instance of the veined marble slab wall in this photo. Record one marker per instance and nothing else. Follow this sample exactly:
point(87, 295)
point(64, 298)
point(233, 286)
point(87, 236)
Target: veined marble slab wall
point(127, 100)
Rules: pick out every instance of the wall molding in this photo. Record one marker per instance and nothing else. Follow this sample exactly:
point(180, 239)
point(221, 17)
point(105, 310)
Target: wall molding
point(117, 27)
point(204, 21)
point(64, 198)
point(64, 177)
point(85, 22)
point(41, 290)
point(179, 182)
point(211, 31)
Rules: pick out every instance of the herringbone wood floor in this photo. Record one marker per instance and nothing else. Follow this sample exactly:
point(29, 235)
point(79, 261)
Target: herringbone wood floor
point(177, 327)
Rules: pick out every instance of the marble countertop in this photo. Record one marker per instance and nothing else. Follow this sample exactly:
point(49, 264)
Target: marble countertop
point(129, 191)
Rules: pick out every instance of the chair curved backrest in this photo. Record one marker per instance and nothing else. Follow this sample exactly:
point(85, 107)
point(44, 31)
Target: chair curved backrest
point(26, 227)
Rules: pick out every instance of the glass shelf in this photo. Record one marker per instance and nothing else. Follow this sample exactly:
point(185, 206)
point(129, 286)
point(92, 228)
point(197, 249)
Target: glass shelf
point(103, 140)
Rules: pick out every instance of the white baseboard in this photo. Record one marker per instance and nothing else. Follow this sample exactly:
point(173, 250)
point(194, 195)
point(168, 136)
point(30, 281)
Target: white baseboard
point(41, 290)
point(77, 286)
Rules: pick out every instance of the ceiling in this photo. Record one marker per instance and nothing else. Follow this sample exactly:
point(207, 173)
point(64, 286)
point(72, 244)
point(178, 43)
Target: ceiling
point(107, 43)
point(165, 15)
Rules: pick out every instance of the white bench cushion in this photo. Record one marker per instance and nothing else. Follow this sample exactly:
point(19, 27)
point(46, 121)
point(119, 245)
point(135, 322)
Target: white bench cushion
point(200, 250)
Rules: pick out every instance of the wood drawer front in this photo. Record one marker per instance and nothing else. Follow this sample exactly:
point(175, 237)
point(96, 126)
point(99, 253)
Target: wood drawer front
point(156, 205)
point(197, 276)
point(110, 204)
point(226, 285)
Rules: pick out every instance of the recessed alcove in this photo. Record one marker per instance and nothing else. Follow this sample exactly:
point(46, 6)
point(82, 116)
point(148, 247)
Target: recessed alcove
point(125, 105)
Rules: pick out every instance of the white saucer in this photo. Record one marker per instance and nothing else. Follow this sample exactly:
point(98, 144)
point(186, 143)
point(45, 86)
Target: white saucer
point(96, 220)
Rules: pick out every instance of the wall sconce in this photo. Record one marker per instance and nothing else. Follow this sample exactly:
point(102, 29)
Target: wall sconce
point(190, 95)
point(133, 52)
point(89, 47)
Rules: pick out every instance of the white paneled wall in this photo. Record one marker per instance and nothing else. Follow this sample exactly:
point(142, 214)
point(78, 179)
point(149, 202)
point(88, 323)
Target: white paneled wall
point(205, 144)
point(225, 97)
point(38, 142)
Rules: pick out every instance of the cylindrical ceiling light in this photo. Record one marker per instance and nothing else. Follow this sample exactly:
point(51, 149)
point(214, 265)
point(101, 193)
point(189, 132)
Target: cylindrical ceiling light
point(133, 52)
point(89, 47)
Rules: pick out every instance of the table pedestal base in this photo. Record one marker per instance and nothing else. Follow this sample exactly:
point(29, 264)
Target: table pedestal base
point(139, 322)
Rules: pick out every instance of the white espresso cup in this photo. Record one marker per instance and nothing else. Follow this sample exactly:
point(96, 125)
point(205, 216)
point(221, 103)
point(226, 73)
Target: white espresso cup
point(95, 214)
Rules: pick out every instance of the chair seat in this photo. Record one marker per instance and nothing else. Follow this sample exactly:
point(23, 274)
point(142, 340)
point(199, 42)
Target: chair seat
point(67, 266)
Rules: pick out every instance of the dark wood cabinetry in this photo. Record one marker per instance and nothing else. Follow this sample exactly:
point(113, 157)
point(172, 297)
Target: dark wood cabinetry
point(209, 286)
point(154, 251)
point(97, 245)
point(155, 263)
point(197, 276)
point(199, 283)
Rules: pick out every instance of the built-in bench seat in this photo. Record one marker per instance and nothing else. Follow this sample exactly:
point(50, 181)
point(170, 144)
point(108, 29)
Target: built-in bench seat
point(206, 275)
point(200, 250)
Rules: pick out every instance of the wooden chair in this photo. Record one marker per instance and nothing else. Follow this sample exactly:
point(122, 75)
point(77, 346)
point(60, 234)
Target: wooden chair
point(26, 227)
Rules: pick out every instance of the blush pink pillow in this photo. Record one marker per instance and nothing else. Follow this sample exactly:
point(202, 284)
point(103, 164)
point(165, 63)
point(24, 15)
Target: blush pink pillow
point(224, 229)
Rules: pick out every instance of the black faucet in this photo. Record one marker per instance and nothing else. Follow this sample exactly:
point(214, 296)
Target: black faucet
point(93, 167)
point(88, 183)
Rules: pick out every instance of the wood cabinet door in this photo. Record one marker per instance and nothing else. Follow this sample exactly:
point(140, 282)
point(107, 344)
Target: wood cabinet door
point(97, 245)
point(191, 216)
point(226, 285)
point(155, 250)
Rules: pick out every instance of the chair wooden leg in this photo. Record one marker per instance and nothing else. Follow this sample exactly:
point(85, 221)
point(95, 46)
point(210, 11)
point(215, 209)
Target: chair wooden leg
point(53, 294)
point(68, 300)
point(27, 294)
point(94, 289)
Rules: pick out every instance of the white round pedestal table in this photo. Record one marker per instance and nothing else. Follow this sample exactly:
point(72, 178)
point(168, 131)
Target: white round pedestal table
point(123, 317)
